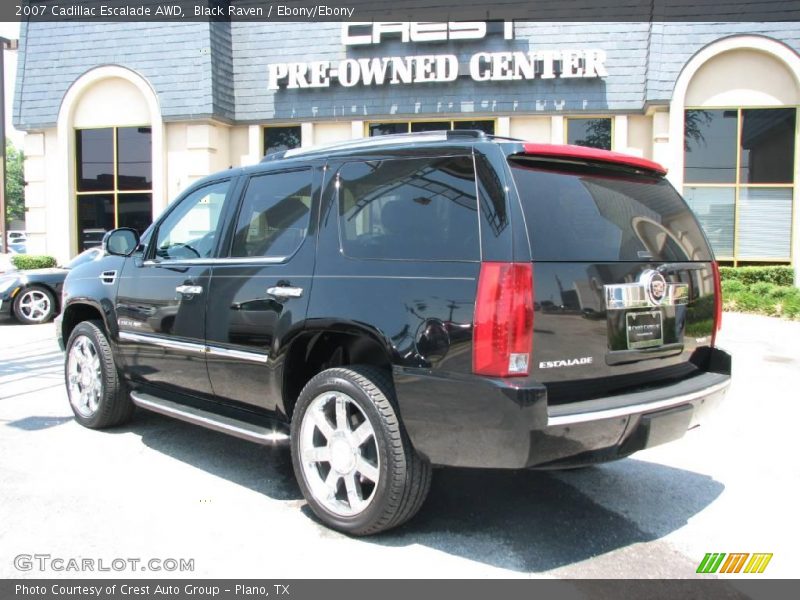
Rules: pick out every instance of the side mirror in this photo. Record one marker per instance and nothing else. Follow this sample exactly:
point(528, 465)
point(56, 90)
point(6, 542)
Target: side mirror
point(121, 242)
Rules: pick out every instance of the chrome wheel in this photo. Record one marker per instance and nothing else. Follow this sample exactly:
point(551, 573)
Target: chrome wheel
point(35, 305)
point(339, 454)
point(84, 376)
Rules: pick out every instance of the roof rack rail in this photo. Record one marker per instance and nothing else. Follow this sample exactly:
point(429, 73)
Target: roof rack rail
point(385, 140)
point(465, 133)
point(275, 155)
point(377, 141)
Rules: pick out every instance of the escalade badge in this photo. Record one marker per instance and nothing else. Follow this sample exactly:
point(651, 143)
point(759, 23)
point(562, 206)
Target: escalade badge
point(655, 286)
point(570, 362)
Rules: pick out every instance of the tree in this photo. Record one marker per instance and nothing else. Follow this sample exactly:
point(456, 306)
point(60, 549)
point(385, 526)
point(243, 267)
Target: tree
point(598, 134)
point(694, 123)
point(15, 182)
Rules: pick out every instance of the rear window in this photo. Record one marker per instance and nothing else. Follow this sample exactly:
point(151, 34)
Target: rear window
point(588, 214)
point(415, 209)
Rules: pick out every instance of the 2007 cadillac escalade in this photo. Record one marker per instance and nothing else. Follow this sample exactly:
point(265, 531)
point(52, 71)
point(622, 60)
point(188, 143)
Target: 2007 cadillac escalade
point(391, 304)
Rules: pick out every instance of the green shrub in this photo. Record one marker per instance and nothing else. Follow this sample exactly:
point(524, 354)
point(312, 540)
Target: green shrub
point(784, 293)
point(781, 275)
point(762, 288)
point(747, 301)
point(732, 286)
point(31, 261)
point(790, 307)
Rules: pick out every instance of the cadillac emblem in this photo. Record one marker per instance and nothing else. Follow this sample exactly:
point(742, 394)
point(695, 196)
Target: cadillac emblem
point(655, 286)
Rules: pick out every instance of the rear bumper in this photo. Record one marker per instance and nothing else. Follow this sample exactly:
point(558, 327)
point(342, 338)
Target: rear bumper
point(498, 423)
point(691, 392)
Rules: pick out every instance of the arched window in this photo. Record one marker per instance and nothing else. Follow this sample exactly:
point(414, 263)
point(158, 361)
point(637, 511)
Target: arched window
point(111, 130)
point(735, 106)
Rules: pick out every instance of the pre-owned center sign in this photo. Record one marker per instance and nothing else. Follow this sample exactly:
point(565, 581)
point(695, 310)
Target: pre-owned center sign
point(434, 68)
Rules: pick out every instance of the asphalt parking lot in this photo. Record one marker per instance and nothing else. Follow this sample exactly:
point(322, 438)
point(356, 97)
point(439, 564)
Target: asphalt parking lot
point(163, 489)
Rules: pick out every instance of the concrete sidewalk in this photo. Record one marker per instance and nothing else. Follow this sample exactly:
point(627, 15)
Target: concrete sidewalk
point(164, 489)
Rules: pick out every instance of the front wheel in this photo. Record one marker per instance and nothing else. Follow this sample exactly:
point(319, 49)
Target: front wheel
point(34, 305)
point(97, 394)
point(351, 455)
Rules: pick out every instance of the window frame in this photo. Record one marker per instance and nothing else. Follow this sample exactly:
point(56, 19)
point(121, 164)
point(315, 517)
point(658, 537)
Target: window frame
point(150, 257)
point(114, 191)
point(611, 118)
point(336, 206)
point(737, 185)
point(244, 184)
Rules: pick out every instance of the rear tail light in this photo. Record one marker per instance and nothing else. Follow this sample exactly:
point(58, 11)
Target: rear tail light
point(717, 302)
point(503, 333)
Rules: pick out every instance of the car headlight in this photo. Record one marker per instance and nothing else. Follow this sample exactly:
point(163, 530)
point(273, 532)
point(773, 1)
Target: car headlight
point(7, 284)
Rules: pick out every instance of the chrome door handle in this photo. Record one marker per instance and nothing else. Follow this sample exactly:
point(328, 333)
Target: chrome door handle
point(189, 290)
point(285, 291)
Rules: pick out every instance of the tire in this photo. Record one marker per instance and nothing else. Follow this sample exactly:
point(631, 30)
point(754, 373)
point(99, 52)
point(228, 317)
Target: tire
point(97, 395)
point(34, 305)
point(347, 458)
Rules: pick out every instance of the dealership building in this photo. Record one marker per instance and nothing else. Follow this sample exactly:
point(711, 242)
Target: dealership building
point(120, 117)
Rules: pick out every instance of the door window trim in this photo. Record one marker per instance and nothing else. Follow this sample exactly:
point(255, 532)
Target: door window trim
point(149, 253)
point(224, 254)
point(219, 261)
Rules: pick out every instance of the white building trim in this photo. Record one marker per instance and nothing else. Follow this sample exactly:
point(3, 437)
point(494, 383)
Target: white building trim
point(777, 50)
point(65, 212)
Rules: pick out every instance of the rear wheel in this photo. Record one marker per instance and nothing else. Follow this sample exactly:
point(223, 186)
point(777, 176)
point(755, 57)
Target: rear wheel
point(96, 392)
point(352, 457)
point(34, 305)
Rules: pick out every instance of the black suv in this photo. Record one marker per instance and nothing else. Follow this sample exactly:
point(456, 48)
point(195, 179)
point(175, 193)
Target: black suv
point(390, 304)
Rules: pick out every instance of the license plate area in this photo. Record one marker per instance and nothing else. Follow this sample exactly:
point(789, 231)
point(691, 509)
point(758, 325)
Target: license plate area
point(644, 329)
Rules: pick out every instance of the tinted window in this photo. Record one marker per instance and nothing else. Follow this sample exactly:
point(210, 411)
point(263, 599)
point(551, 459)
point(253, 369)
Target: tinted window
point(595, 133)
point(710, 144)
point(116, 161)
point(95, 218)
point(422, 126)
point(135, 211)
point(767, 145)
point(387, 128)
point(95, 164)
point(189, 231)
point(135, 151)
point(275, 214)
point(484, 126)
point(281, 138)
point(714, 207)
point(422, 209)
point(599, 215)
point(764, 223)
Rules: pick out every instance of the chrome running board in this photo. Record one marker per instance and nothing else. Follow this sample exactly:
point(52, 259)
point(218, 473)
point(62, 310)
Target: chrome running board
point(209, 420)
